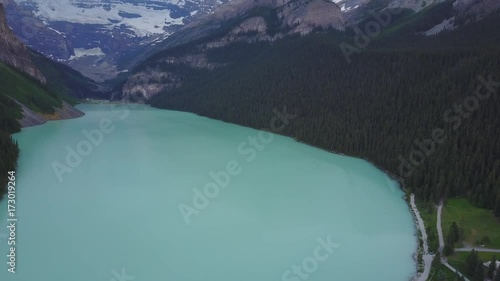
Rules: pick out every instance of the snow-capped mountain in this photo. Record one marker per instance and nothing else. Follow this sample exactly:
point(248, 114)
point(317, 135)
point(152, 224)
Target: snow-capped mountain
point(100, 34)
point(143, 19)
point(103, 38)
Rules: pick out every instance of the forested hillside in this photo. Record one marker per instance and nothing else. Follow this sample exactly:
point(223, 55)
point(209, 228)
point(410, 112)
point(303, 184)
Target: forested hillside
point(383, 105)
point(66, 82)
point(9, 151)
point(26, 90)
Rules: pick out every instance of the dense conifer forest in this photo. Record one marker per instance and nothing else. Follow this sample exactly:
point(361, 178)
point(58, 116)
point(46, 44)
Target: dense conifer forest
point(9, 151)
point(63, 84)
point(429, 116)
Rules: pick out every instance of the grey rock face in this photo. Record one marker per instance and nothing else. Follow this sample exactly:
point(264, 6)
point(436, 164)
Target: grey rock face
point(14, 53)
point(31, 118)
point(294, 17)
point(100, 38)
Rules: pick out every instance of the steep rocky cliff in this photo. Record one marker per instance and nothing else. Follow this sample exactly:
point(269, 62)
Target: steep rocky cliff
point(300, 16)
point(100, 38)
point(39, 99)
point(14, 53)
point(145, 84)
point(238, 21)
point(35, 33)
point(307, 15)
point(251, 21)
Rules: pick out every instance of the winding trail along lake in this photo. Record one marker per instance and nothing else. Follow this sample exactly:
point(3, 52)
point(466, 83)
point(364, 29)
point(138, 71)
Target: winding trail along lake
point(135, 208)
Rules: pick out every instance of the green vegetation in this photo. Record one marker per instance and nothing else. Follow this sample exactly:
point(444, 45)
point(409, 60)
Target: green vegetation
point(477, 223)
point(428, 213)
point(9, 151)
point(440, 272)
point(27, 91)
point(380, 107)
point(407, 23)
point(490, 274)
point(406, 28)
point(65, 82)
point(455, 234)
point(470, 264)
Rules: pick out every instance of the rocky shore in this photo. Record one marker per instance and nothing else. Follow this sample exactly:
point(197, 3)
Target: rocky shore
point(32, 118)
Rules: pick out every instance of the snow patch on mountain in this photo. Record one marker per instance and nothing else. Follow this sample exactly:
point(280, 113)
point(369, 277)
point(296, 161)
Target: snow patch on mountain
point(144, 19)
point(80, 52)
point(447, 24)
point(349, 5)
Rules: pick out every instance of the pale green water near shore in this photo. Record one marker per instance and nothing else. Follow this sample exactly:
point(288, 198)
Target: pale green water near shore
point(119, 208)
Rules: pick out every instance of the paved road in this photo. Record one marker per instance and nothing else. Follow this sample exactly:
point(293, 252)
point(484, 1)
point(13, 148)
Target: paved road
point(478, 249)
point(427, 258)
point(439, 229)
point(441, 242)
point(465, 249)
point(453, 269)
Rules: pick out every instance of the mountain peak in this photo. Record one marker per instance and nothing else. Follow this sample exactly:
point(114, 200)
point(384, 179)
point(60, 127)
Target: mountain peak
point(300, 16)
point(306, 15)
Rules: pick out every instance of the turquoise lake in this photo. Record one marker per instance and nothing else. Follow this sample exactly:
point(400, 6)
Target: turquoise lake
point(136, 193)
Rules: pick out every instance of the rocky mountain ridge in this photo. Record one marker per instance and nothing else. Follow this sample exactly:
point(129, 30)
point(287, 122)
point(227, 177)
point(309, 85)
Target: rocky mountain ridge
point(33, 31)
point(237, 21)
point(103, 39)
point(40, 102)
point(14, 53)
point(100, 38)
point(303, 16)
point(269, 20)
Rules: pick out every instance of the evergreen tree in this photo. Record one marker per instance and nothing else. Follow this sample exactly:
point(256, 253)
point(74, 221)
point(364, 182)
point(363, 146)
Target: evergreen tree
point(497, 207)
point(352, 109)
point(451, 239)
point(471, 263)
point(455, 232)
point(492, 268)
point(497, 274)
point(440, 276)
point(448, 249)
point(437, 259)
point(9, 150)
point(461, 233)
point(479, 271)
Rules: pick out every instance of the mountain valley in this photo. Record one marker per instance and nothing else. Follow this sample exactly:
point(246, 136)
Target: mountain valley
point(410, 86)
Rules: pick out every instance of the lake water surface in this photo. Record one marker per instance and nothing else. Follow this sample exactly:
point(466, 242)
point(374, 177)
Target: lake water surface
point(141, 204)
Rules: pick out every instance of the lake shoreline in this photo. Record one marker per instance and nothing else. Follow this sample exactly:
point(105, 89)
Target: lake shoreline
point(32, 118)
point(393, 177)
point(397, 179)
